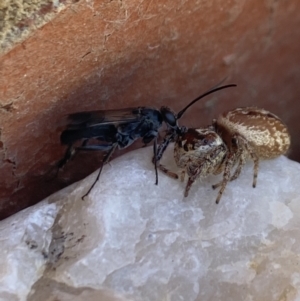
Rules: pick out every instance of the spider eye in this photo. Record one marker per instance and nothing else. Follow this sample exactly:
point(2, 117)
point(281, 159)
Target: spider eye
point(205, 141)
point(234, 141)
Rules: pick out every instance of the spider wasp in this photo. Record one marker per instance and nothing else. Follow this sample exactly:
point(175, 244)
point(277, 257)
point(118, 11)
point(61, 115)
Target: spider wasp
point(107, 130)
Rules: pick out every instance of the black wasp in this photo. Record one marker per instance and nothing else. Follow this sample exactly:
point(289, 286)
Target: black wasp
point(105, 130)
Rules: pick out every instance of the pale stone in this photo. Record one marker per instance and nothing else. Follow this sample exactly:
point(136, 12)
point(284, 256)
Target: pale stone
point(132, 240)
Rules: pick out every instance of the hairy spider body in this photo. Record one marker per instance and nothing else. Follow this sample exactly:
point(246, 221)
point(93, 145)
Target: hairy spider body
point(234, 137)
point(195, 145)
point(264, 131)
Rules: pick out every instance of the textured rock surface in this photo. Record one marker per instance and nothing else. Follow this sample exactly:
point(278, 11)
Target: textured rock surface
point(19, 19)
point(132, 240)
point(112, 54)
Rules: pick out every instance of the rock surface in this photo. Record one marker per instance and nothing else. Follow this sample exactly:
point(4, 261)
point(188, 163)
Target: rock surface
point(132, 240)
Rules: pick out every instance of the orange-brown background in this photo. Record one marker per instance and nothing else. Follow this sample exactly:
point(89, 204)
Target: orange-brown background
point(115, 54)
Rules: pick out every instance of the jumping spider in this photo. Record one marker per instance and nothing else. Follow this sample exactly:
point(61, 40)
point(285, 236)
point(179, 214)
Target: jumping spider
point(232, 138)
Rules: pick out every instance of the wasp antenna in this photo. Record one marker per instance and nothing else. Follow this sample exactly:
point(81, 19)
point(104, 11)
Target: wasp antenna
point(219, 83)
point(203, 95)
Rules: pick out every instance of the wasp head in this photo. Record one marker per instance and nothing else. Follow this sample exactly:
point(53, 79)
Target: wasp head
point(169, 117)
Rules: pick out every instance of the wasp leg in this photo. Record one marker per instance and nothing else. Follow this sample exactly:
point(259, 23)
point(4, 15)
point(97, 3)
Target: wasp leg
point(149, 137)
point(163, 146)
point(70, 152)
point(95, 147)
point(159, 153)
point(105, 160)
point(155, 161)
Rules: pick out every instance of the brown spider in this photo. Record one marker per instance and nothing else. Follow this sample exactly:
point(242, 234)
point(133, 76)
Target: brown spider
point(231, 139)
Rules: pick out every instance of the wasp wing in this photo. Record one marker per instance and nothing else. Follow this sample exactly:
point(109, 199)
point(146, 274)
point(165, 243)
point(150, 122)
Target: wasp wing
point(101, 124)
point(103, 117)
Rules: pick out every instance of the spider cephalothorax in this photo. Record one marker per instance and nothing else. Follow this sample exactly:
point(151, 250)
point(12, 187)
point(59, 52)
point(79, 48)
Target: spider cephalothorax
point(233, 137)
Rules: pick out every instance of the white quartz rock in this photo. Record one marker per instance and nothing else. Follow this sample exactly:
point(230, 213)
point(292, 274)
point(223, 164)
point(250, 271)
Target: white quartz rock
point(132, 240)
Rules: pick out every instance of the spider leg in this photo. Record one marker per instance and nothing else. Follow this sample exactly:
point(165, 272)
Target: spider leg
point(226, 176)
point(241, 163)
point(182, 176)
point(238, 170)
point(256, 165)
point(253, 156)
point(239, 154)
point(194, 172)
point(255, 159)
point(188, 186)
point(169, 173)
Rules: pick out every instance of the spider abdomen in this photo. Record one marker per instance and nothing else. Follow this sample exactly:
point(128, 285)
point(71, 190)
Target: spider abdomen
point(266, 134)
